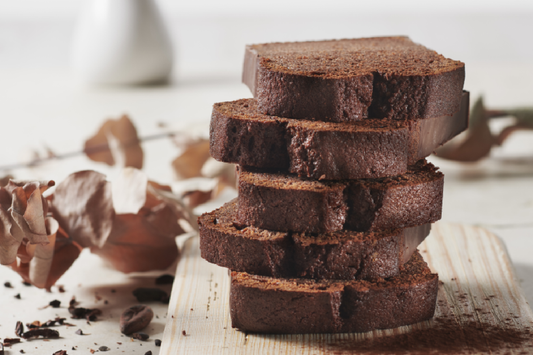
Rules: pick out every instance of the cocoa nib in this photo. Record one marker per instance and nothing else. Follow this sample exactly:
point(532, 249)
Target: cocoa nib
point(144, 294)
point(57, 320)
point(19, 329)
point(140, 336)
point(135, 318)
point(80, 313)
point(11, 341)
point(60, 352)
point(55, 304)
point(46, 333)
point(87, 313)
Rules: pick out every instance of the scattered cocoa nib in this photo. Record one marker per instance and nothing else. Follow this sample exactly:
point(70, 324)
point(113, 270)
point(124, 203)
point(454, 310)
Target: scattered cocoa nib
point(135, 318)
point(149, 352)
point(80, 313)
point(46, 333)
point(19, 329)
point(34, 324)
point(61, 288)
point(140, 336)
point(26, 283)
point(11, 341)
point(79, 332)
point(57, 320)
point(144, 294)
point(87, 313)
point(8, 284)
point(157, 342)
point(22, 351)
point(60, 352)
point(55, 304)
point(183, 332)
point(165, 279)
point(104, 348)
point(17, 296)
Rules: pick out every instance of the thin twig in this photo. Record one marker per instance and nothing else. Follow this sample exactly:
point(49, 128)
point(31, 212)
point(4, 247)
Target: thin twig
point(92, 150)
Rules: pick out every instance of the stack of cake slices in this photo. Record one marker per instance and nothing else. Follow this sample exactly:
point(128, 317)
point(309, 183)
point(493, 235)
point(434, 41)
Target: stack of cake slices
point(334, 192)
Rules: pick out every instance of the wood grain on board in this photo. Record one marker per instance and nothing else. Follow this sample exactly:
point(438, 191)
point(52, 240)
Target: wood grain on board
point(480, 308)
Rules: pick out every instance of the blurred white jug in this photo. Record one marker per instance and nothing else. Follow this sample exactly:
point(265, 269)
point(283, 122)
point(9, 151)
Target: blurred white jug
point(122, 42)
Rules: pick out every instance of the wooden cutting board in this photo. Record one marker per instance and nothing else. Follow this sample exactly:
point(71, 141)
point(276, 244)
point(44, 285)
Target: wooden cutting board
point(480, 308)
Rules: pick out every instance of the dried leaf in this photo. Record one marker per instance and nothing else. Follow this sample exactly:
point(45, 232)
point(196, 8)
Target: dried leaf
point(9, 243)
point(479, 139)
point(65, 252)
point(116, 140)
point(129, 191)
point(5, 180)
point(22, 218)
point(189, 164)
point(41, 262)
point(524, 116)
point(506, 132)
point(135, 244)
point(144, 240)
point(197, 197)
point(186, 218)
point(83, 207)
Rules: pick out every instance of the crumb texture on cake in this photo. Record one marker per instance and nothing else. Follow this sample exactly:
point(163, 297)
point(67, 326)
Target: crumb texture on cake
point(278, 201)
point(372, 148)
point(352, 79)
point(262, 304)
point(343, 255)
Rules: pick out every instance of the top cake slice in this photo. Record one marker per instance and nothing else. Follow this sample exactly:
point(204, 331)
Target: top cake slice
point(352, 79)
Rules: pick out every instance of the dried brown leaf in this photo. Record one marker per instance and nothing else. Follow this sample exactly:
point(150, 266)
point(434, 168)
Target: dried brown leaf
point(129, 191)
point(478, 141)
point(22, 218)
point(189, 163)
point(143, 240)
point(135, 244)
point(47, 266)
point(197, 197)
point(184, 215)
point(5, 180)
point(507, 131)
point(83, 206)
point(116, 140)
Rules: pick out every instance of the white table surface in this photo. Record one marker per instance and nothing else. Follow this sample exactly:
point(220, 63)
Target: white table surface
point(47, 108)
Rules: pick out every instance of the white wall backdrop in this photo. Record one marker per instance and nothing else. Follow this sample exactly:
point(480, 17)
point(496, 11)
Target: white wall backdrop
point(210, 35)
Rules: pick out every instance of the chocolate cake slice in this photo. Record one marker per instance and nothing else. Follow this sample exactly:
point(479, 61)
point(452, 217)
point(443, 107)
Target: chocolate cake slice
point(342, 255)
point(351, 79)
point(323, 150)
point(281, 202)
point(260, 304)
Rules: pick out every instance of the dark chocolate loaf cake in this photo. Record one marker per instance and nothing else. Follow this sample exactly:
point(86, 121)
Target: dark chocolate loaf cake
point(281, 202)
point(351, 79)
point(262, 304)
point(323, 150)
point(340, 255)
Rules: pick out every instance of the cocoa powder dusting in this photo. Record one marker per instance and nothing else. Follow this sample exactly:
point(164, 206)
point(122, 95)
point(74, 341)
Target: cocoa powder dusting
point(445, 336)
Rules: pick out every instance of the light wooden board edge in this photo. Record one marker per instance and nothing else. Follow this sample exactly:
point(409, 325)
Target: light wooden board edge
point(472, 263)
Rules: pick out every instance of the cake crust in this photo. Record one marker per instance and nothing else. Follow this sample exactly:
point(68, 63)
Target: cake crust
point(352, 79)
point(262, 304)
point(277, 201)
point(240, 134)
point(344, 255)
